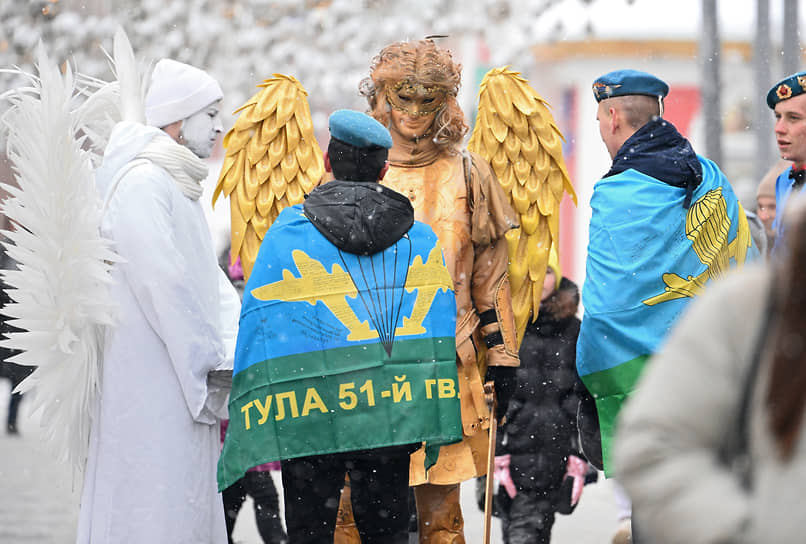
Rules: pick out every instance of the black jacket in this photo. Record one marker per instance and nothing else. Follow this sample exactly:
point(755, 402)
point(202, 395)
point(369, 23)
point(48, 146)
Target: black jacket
point(541, 428)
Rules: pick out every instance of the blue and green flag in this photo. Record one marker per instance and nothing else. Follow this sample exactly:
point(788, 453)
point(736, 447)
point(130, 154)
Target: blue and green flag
point(647, 258)
point(340, 352)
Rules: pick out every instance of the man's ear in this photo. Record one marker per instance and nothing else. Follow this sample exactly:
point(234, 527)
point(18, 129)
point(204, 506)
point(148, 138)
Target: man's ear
point(614, 120)
point(174, 130)
point(383, 171)
point(327, 163)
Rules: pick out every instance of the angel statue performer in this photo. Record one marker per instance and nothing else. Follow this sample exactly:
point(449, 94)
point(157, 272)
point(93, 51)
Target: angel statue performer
point(119, 296)
point(494, 209)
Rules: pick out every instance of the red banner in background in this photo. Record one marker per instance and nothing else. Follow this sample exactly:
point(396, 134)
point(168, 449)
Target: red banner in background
point(567, 209)
point(682, 106)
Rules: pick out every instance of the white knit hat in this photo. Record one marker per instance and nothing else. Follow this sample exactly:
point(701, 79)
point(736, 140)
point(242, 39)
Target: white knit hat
point(177, 91)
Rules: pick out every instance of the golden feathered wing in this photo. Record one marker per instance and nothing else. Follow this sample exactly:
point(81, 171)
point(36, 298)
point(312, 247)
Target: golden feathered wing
point(516, 133)
point(272, 160)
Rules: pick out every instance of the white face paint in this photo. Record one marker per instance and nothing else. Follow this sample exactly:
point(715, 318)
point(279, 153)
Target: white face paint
point(200, 130)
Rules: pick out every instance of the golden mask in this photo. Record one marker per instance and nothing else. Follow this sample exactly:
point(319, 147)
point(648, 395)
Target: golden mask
point(416, 99)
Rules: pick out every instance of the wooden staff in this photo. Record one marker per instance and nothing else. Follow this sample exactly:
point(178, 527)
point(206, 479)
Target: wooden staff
point(489, 396)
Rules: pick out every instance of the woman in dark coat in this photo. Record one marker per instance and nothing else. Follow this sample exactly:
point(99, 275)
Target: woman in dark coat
point(541, 430)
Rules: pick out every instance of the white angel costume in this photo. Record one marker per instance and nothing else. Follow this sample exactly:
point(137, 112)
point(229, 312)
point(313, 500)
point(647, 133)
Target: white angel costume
point(154, 445)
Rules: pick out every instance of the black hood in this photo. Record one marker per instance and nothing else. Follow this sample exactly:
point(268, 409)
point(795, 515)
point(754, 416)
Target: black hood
point(658, 150)
point(359, 217)
point(556, 310)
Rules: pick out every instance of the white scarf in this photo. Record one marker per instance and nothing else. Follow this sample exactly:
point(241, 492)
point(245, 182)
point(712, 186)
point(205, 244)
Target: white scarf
point(187, 170)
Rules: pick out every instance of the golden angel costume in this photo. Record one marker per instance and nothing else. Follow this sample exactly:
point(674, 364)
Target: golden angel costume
point(495, 210)
point(412, 89)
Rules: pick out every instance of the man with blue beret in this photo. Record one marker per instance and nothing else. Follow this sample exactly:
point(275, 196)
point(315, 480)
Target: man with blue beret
point(332, 320)
point(787, 99)
point(357, 152)
point(664, 222)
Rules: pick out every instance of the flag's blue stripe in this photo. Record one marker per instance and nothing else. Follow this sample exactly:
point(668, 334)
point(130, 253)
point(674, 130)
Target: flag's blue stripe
point(276, 328)
point(637, 234)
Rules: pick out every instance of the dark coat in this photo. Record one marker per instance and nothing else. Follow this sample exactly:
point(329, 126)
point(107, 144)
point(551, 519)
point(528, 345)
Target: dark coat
point(541, 428)
point(14, 372)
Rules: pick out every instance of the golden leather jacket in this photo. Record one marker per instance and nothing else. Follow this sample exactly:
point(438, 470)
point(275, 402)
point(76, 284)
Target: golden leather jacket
point(460, 198)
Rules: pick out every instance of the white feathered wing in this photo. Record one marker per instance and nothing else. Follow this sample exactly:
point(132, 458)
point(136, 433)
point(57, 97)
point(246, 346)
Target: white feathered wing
point(61, 290)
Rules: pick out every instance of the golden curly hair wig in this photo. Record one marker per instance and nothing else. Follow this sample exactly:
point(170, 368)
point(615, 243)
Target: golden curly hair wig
point(420, 62)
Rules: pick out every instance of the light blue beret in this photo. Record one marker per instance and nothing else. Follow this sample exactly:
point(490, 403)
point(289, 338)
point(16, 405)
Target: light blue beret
point(787, 88)
point(358, 129)
point(628, 82)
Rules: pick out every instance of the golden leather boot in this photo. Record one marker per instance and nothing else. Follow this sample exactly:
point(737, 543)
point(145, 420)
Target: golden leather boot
point(439, 514)
point(346, 531)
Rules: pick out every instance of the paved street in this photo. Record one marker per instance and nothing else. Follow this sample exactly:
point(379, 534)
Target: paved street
point(38, 504)
point(37, 501)
point(593, 522)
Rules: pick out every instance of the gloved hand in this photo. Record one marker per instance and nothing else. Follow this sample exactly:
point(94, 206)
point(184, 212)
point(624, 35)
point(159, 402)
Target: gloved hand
point(505, 381)
point(502, 475)
point(576, 468)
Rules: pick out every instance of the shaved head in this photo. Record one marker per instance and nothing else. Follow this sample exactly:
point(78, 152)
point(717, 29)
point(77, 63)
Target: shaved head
point(621, 116)
point(637, 109)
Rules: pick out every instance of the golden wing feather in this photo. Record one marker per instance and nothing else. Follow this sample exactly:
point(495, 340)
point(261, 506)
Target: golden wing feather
point(265, 199)
point(235, 173)
point(516, 133)
point(272, 159)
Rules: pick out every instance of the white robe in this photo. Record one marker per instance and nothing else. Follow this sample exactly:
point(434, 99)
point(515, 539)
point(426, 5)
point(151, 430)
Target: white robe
point(151, 471)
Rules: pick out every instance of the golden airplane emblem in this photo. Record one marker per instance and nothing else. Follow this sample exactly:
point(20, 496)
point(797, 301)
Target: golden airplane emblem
point(707, 226)
point(316, 284)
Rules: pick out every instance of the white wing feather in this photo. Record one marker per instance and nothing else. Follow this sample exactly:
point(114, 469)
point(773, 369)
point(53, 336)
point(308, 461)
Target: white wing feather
point(131, 91)
point(109, 103)
point(60, 291)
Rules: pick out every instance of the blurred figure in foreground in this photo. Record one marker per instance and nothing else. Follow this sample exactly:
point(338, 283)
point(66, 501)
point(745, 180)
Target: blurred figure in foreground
point(711, 448)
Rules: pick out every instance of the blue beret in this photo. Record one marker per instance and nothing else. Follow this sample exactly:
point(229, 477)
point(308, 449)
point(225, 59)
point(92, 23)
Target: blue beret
point(787, 88)
point(627, 82)
point(358, 130)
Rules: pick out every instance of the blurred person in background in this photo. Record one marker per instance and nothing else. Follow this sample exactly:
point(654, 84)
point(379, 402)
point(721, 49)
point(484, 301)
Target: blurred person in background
point(13, 372)
point(538, 447)
point(712, 447)
point(765, 200)
point(788, 101)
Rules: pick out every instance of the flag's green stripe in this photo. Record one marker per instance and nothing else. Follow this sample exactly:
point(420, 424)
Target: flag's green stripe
point(611, 388)
point(616, 380)
point(341, 416)
point(608, 408)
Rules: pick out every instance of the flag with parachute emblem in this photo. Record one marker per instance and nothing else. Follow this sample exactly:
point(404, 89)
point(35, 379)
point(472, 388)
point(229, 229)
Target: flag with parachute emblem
point(340, 352)
point(646, 261)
